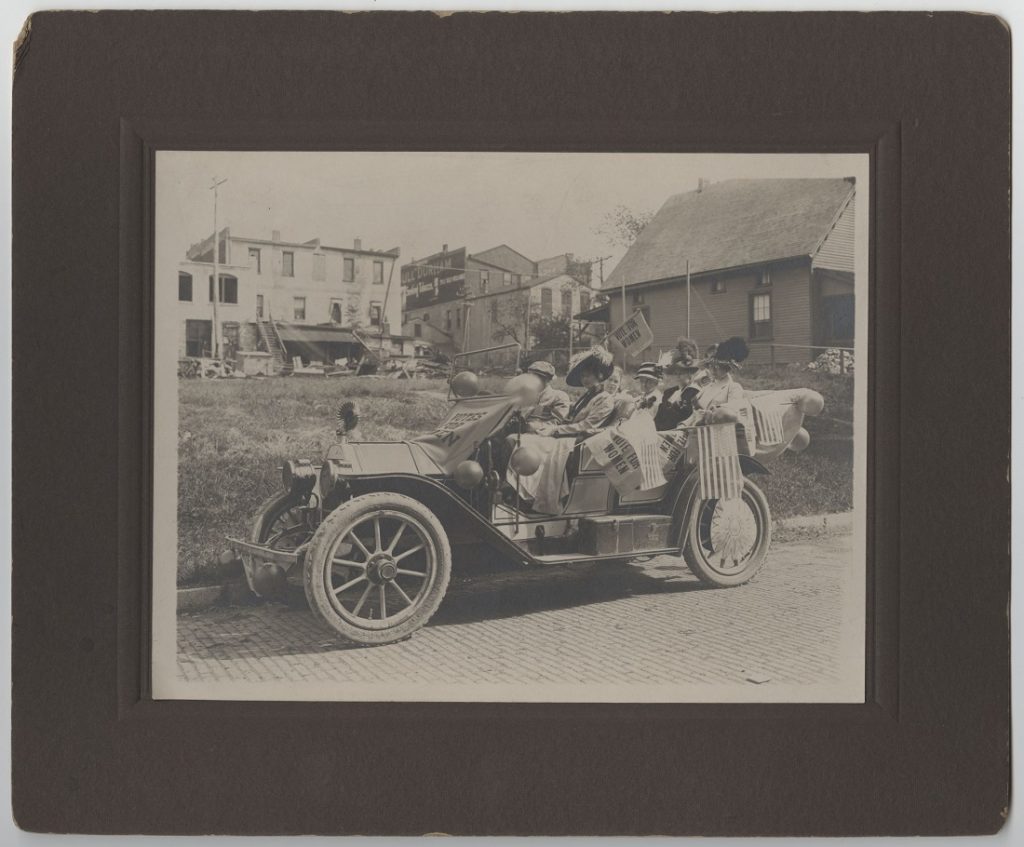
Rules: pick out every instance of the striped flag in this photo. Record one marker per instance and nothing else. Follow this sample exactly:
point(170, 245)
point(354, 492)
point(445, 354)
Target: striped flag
point(718, 462)
point(770, 430)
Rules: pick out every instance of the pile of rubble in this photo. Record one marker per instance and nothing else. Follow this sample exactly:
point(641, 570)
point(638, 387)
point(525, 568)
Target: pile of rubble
point(833, 361)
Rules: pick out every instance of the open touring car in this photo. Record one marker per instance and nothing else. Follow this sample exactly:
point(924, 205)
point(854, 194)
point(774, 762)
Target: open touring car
point(370, 531)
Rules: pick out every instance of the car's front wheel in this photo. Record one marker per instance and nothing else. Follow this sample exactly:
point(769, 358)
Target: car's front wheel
point(377, 568)
point(726, 541)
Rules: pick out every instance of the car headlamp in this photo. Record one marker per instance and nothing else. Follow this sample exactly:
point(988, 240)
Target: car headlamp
point(298, 477)
point(328, 477)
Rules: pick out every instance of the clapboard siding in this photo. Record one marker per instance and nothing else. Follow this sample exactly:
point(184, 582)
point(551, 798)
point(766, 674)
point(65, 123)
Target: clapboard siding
point(836, 251)
point(719, 316)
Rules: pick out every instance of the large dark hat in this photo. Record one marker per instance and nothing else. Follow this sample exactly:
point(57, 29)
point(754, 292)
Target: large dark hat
point(597, 358)
point(730, 352)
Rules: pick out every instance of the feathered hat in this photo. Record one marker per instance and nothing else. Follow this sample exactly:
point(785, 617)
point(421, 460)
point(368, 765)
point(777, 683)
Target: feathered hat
point(730, 352)
point(682, 358)
point(597, 358)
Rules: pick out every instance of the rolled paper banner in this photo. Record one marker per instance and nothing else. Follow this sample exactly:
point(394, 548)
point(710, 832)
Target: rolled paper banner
point(800, 441)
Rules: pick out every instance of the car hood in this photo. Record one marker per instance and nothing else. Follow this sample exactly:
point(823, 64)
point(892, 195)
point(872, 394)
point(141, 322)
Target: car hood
point(358, 458)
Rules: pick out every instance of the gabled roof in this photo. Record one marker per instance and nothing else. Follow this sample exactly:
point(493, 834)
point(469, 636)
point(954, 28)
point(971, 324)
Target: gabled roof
point(732, 224)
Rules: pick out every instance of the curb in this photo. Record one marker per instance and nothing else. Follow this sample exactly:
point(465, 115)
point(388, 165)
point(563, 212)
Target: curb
point(235, 592)
point(836, 520)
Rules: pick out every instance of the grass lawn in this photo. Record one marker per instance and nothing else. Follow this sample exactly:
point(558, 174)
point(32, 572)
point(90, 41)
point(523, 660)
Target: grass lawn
point(233, 435)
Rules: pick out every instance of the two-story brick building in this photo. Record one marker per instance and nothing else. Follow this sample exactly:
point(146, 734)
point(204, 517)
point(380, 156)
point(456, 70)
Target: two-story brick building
point(455, 300)
point(305, 299)
point(771, 260)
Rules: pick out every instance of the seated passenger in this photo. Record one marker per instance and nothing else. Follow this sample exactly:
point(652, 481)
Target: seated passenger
point(552, 405)
point(677, 400)
point(720, 398)
point(593, 411)
point(649, 376)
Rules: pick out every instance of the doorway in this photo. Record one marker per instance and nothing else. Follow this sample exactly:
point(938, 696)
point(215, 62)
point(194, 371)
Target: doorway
point(198, 338)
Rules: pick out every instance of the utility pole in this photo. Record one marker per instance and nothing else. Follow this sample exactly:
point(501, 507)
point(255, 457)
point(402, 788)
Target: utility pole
point(688, 299)
point(216, 271)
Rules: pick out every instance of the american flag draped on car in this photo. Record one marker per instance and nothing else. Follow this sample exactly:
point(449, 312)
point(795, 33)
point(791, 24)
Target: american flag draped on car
point(768, 420)
point(718, 462)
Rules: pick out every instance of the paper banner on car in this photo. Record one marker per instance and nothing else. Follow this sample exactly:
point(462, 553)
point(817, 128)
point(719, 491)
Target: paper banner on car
point(629, 454)
point(469, 422)
point(634, 336)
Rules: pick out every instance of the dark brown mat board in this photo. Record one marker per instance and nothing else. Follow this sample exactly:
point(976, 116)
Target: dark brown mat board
point(927, 96)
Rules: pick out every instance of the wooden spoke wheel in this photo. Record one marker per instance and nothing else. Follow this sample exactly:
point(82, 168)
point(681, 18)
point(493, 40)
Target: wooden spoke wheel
point(727, 541)
point(377, 568)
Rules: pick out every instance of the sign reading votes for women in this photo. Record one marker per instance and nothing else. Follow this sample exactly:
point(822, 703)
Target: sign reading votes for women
point(634, 336)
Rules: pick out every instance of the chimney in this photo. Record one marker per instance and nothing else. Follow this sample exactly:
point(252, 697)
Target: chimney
point(359, 244)
point(275, 235)
point(444, 248)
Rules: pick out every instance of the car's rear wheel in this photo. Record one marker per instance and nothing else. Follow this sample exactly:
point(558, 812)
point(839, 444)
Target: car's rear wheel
point(377, 568)
point(727, 541)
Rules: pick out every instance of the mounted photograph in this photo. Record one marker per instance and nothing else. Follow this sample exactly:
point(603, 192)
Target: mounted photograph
point(500, 426)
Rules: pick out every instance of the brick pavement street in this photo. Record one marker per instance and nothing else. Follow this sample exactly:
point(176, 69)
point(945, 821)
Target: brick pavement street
point(645, 624)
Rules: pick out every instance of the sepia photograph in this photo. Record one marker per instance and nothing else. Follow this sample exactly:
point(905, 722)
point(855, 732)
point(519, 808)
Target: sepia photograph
point(497, 426)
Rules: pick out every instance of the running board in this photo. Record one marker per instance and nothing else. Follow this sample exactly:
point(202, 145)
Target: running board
point(576, 558)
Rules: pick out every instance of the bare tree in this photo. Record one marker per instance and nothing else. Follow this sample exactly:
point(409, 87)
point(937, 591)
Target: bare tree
point(621, 226)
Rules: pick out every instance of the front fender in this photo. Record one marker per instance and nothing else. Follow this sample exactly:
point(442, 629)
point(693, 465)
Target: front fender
point(685, 490)
point(453, 512)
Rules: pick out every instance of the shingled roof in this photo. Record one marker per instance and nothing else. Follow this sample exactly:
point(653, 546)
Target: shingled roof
point(731, 224)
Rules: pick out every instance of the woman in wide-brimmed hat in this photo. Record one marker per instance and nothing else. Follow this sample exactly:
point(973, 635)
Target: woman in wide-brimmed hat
point(554, 442)
point(720, 398)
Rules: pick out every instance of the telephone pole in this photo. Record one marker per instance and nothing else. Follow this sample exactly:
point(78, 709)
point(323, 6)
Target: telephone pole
point(215, 337)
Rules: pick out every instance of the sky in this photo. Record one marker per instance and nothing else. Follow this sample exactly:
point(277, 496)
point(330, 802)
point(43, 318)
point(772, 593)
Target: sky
point(541, 204)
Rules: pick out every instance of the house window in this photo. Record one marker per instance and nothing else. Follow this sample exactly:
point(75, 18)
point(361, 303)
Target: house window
point(506, 278)
point(718, 286)
point(458, 318)
point(299, 308)
point(348, 271)
point(319, 267)
point(567, 302)
point(545, 302)
point(336, 311)
point(259, 305)
point(426, 318)
point(494, 309)
point(254, 258)
point(766, 277)
point(227, 290)
point(378, 273)
point(375, 314)
point(584, 301)
point(417, 330)
point(485, 278)
point(448, 320)
point(640, 306)
point(761, 315)
point(185, 287)
point(838, 312)
point(287, 263)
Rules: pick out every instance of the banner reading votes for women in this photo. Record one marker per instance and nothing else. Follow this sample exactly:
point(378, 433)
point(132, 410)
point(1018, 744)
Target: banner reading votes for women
point(630, 454)
point(634, 336)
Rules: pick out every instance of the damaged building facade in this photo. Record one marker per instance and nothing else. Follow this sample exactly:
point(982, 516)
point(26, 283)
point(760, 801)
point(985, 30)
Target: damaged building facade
point(319, 302)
